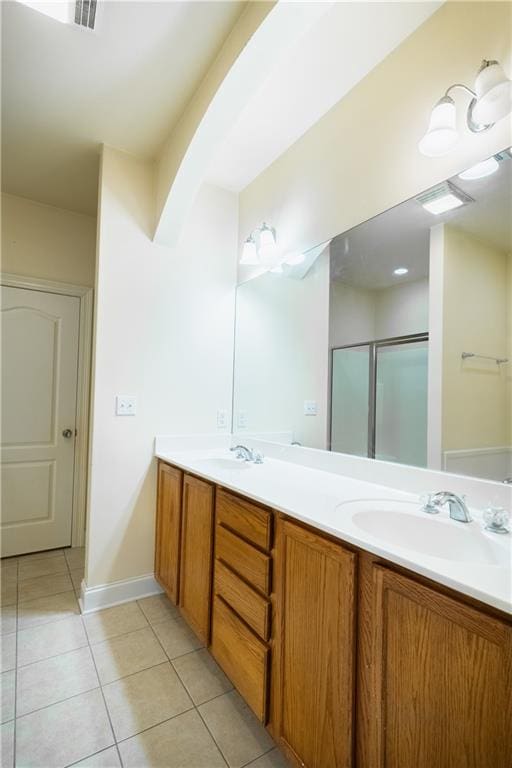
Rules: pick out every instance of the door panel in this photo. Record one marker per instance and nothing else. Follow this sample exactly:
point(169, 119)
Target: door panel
point(315, 648)
point(441, 680)
point(350, 400)
point(39, 381)
point(401, 403)
point(168, 529)
point(196, 564)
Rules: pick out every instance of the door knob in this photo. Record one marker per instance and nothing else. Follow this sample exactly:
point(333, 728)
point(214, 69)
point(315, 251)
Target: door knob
point(67, 433)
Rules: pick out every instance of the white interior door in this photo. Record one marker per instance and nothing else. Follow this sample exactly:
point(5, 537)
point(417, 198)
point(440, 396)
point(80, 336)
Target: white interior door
point(39, 384)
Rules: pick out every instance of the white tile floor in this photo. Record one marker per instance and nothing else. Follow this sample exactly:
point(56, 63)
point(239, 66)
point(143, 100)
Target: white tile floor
point(128, 686)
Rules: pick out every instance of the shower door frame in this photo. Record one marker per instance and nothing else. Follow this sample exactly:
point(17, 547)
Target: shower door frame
point(372, 385)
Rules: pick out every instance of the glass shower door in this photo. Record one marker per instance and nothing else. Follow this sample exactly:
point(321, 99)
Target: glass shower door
point(401, 403)
point(350, 400)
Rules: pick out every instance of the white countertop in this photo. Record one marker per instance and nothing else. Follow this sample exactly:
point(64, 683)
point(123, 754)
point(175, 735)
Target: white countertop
point(313, 496)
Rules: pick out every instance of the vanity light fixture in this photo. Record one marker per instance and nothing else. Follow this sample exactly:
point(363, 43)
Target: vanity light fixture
point(400, 271)
point(480, 170)
point(442, 198)
point(267, 251)
point(260, 248)
point(491, 101)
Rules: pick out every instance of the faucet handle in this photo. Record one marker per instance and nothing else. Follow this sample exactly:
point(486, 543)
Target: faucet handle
point(496, 519)
point(429, 504)
point(257, 457)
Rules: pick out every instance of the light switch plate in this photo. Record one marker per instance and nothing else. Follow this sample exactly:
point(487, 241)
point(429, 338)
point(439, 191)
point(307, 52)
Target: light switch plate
point(310, 408)
point(126, 405)
point(222, 419)
point(242, 420)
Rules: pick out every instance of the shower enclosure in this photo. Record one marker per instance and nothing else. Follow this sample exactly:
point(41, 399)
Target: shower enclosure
point(379, 399)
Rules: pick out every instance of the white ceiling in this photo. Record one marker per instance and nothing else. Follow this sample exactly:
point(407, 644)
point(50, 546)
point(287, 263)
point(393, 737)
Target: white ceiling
point(341, 48)
point(366, 256)
point(66, 90)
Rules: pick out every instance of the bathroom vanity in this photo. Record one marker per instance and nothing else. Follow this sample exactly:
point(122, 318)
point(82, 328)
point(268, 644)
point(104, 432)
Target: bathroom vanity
point(352, 651)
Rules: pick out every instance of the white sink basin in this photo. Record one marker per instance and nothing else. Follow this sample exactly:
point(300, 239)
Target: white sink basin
point(403, 524)
point(223, 464)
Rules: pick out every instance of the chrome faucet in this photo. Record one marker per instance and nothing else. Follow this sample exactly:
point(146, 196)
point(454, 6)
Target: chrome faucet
point(242, 452)
point(456, 505)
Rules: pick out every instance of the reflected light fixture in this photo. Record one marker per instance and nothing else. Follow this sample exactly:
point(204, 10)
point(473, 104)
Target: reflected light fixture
point(293, 259)
point(250, 253)
point(400, 271)
point(442, 198)
point(490, 102)
point(480, 170)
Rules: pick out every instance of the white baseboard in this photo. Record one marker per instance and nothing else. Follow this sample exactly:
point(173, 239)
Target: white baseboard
point(117, 592)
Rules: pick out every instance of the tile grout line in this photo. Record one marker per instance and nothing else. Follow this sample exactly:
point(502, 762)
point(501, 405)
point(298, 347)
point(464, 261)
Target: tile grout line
point(15, 673)
point(100, 684)
point(195, 706)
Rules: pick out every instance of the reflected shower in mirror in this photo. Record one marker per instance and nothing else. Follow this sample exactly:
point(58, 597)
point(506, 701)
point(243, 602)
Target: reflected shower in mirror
point(393, 340)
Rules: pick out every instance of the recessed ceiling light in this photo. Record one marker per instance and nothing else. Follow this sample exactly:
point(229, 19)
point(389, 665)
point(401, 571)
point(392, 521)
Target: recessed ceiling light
point(443, 204)
point(442, 198)
point(400, 271)
point(480, 170)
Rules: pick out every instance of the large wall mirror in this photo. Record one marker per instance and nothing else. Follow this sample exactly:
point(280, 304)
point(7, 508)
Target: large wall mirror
point(393, 340)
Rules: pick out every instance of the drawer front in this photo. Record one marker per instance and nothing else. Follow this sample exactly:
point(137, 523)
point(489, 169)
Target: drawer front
point(252, 522)
point(248, 604)
point(242, 656)
point(251, 564)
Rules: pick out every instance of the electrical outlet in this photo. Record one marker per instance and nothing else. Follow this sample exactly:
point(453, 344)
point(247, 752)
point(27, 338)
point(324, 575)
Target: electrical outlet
point(242, 420)
point(222, 419)
point(310, 408)
point(126, 405)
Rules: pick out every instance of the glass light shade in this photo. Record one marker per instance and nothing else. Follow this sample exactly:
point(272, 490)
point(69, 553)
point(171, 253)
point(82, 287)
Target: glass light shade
point(480, 170)
point(441, 135)
point(267, 252)
point(493, 94)
point(400, 271)
point(249, 253)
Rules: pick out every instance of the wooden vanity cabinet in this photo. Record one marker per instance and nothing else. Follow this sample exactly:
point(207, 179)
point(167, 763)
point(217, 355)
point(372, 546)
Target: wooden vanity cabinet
point(241, 624)
point(427, 682)
point(434, 680)
point(195, 592)
point(168, 529)
point(314, 650)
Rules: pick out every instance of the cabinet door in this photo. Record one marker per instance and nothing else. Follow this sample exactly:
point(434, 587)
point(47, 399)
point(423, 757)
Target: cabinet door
point(196, 555)
point(441, 680)
point(314, 640)
point(168, 524)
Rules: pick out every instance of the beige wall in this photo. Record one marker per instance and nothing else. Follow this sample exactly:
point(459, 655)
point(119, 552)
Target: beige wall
point(362, 158)
point(46, 242)
point(164, 333)
point(476, 313)
point(357, 315)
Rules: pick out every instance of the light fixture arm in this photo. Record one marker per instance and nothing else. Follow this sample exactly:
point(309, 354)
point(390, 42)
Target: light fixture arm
point(464, 88)
point(471, 123)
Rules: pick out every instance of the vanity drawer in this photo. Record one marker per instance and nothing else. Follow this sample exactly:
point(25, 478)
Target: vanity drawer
point(251, 564)
point(251, 521)
point(248, 604)
point(242, 656)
